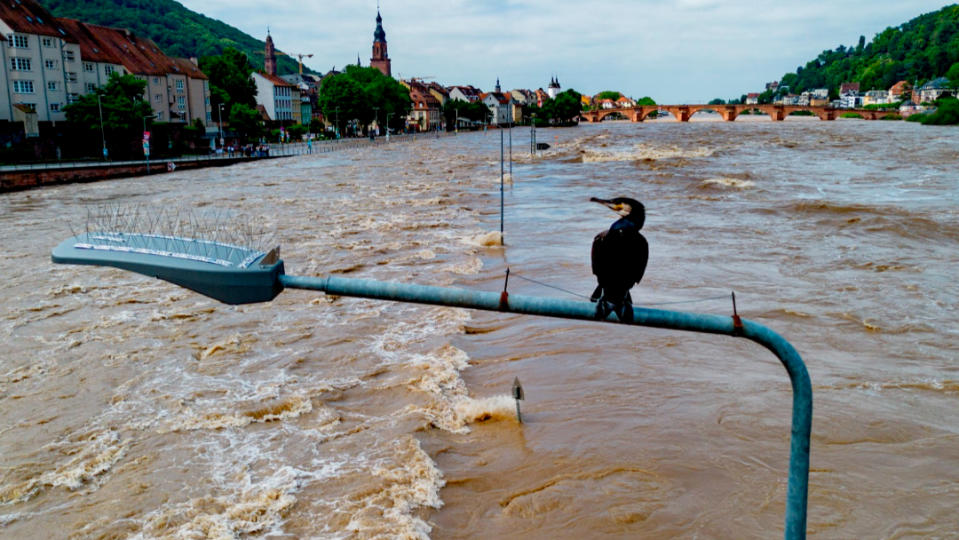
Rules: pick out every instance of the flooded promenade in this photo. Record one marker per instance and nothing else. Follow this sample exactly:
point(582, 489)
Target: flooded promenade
point(133, 408)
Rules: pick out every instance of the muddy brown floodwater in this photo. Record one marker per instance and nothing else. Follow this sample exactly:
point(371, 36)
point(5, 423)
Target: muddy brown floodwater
point(135, 409)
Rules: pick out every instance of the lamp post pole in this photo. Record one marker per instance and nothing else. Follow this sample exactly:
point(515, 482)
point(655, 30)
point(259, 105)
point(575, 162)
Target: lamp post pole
point(219, 113)
point(376, 121)
point(456, 126)
point(388, 126)
point(336, 128)
point(103, 135)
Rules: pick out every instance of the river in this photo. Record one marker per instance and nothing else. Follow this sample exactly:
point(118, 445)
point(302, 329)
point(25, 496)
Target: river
point(136, 409)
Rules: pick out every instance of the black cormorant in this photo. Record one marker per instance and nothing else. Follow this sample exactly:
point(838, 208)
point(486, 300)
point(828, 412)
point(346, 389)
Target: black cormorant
point(619, 258)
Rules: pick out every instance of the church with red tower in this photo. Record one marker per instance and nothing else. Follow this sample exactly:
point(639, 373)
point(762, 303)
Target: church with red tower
point(380, 60)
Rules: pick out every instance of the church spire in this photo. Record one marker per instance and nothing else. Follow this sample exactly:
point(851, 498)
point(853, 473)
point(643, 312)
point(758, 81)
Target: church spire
point(269, 60)
point(380, 59)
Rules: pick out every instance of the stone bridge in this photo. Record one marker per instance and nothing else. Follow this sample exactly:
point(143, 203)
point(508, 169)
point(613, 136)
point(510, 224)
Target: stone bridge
point(729, 112)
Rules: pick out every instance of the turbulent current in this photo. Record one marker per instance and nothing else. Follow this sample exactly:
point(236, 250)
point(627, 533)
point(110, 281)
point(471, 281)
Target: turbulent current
point(132, 408)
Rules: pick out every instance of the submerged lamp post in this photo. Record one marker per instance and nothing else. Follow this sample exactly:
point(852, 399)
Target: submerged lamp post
point(236, 275)
point(219, 112)
point(103, 134)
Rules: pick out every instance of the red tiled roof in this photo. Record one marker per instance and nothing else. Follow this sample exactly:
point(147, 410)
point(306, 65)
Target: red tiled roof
point(29, 17)
point(139, 56)
point(274, 79)
point(92, 48)
point(498, 96)
point(189, 68)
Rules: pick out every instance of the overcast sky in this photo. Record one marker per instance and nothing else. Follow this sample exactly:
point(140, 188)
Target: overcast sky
point(679, 51)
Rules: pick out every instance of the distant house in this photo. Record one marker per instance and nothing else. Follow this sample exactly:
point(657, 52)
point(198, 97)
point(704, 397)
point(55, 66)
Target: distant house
point(935, 89)
point(625, 102)
point(498, 104)
point(875, 97)
point(439, 92)
point(426, 111)
point(900, 91)
point(849, 97)
point(752, 98)
point(908, 108)
point(541, 97)
point(790, 99)
point(280, 100)
point(467, 93)
point(849, 88)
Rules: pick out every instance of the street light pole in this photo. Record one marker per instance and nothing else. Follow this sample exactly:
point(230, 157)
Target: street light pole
point(376, 121)
point(388, 126)
point(336, 127)
point(103, 134)
point(219, 113)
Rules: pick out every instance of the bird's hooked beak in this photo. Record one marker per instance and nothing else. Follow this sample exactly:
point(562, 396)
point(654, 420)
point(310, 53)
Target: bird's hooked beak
point(620, 208)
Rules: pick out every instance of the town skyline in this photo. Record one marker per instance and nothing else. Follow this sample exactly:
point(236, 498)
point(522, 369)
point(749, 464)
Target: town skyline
point(658, 53)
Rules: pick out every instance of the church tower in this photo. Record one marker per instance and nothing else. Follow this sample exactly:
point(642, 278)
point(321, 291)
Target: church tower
point(380, 60)
point(269, 62)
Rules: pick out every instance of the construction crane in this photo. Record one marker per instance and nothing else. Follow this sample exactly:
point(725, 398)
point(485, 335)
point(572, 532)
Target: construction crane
point(299, 58)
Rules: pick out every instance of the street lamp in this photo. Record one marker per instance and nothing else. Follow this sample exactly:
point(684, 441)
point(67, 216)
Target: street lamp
point(103, 134)
point(219, 113)
point(376, 112)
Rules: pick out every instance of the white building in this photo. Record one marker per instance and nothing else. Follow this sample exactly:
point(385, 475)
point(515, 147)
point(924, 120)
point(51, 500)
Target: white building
point(499, 107)
point(554, 88)
point(277, 97)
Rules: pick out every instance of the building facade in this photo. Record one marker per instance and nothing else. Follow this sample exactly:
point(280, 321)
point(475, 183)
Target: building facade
point(278, 98)
point(50, 62)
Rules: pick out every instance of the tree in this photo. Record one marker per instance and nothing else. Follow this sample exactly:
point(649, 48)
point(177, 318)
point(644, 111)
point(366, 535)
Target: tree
point(353, 94)
point(717, 101)
point(457, 108)
point(246, 121)
point(953, 75)
point(608, 94)
point(124, 112)
point(230, 80)
point(646, 100)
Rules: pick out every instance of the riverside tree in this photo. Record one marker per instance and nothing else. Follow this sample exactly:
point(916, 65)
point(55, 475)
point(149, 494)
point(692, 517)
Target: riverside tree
point(363, 94)
point(231, 81)
point(124, 112)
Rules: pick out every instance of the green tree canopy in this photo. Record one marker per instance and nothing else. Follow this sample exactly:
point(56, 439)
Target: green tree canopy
point(124, 111)
point(246, 121)
point(230, 80)
point(608, 94)
point(563, 109)
point(919, 50)
point(457, 108)
point(363, 94)
point(953, 75)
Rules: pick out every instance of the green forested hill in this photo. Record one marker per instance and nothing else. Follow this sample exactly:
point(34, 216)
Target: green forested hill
point(177, 30)
point(919, 50)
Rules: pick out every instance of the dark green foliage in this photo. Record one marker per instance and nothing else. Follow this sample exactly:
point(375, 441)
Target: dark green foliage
point(563, 110)
point(124, 109)
point(916, 117)
point(608, 94)
point(883, 106)
point(646, 100)
point(717, 101)
point(851, 115)
point(892, 116)
point(363, 94)
point(177, 30)
point(246, 122)
point(953, 75)
point(457, 108)
point(919, 50)
point(947, 113)
point(230, 80)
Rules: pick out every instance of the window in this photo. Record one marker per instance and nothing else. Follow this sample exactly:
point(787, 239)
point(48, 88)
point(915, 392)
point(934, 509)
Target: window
point(158, 97)
point(68, 55)
point(160, 116)
point(71, 77)
point(179, 85)
point(108, 70)
point(20, 64)
point(72, 97)
point(50, 64)
point(91, 88)
point(52, 86)
point(88, 67)
point(54, 107)
point(156, 80)
point(23, 87)
point(209, 118)
point(47, 42)
point(179, 100)
point(20, 42)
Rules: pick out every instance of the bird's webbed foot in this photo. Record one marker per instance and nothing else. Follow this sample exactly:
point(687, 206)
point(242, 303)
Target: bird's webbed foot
point(603, 309)
point(597, 294)
point(625, 312)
